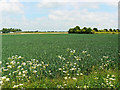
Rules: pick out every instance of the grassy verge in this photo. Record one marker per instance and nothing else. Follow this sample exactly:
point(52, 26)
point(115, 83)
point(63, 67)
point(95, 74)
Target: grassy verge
point(34, 33)
point(97, 79)
point(107, 32)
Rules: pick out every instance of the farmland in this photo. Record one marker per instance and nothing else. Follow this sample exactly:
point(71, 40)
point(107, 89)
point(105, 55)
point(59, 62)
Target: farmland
point(78, 60)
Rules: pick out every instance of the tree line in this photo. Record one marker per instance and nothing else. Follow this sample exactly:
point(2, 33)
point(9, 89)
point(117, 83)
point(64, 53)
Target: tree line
point(7, 30)
point(89, 30)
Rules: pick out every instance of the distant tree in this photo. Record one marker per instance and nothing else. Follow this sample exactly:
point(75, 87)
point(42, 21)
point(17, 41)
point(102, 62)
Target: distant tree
point(89, 30)
point(110, 30)
point(85, 28)
point(74, 30)
point(114, 30)
point(95, 29)
point(70, 30)
point(106, 30)
point(102, 30)
point(37, 31)
point(77, 31)
point(118, 30)
point(7, 30)
point(81, 31)
point(77, 28)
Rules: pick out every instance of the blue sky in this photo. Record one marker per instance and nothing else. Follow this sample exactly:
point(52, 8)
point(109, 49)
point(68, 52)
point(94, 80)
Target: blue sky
point(58, 15)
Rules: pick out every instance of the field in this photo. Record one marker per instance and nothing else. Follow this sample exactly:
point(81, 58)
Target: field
point(60, 61)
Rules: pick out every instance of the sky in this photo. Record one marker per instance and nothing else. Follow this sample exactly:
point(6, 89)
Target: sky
point(58, 14)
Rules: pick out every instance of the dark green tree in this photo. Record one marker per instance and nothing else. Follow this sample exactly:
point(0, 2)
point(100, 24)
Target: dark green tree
point(118, 30)
point(88, 31)
point(106, 30)
point(95, 29)
point(85, 28)
point(114, 30)
point(77, 28)
point(70, 30)
point(110, 30)
point(7, 30)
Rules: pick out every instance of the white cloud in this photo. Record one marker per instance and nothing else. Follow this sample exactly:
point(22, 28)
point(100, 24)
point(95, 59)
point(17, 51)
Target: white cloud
point(80, 14)
point(84, 17)
point(113, 4)
point(75, 5)
point(69, 0)
point(54, 3)
point(11, 6)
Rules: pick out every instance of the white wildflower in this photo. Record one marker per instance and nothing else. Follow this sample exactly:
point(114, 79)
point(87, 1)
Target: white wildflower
point(9, 73)
point(30, 63)
point(7, 79)
point(1, 82)
point(105, 57)
point(3, 78)
point(73, 51)
point(9, 66)
point(5, 69)
point(23, 75)
point(12, 62)
point(113, 75)
point(39, 65)
point(18, 62)
point(65, 78)
point(84, 52)
point(73, 69)
point(19, 67)
point(34, 71)
point(7, 63)
point(19, 73)
point(15, 86)
point(60, 68)
point(74, 78)
point(42, 62)
point(24, 63)
point(19, 57)
point(111, 78)
point(111, 85)
point(88, 55)
point(65, 71)
point(20, 84)
point(81, 74)
point(65, 84)
point(24, 71)
point(75, 63)
point(59, 57)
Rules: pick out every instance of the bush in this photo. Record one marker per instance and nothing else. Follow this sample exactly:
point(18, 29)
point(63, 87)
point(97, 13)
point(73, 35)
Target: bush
point(95, 29)
point(86, 30)
point(7, 30)
point(80, 31)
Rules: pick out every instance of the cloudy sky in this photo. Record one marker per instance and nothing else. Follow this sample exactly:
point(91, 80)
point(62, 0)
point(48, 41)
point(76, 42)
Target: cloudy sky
point(58, 14)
